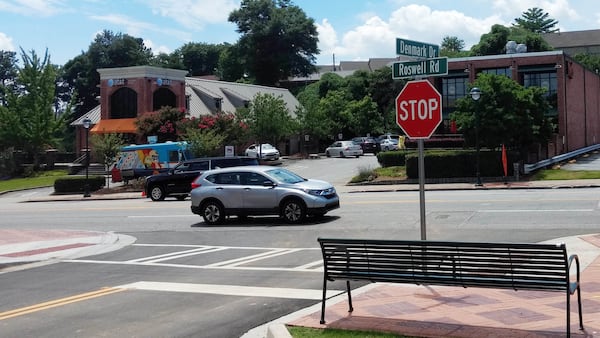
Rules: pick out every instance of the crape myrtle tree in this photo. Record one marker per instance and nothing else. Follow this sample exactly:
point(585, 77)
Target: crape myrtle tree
point(208, 134)
point(508, 114)
point(162, 123)
point(268, 119)
point(28, 120)
point(277, 40)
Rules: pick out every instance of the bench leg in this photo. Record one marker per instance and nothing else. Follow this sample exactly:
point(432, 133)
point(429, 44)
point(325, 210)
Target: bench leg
point(350, 308)
point(323, 301)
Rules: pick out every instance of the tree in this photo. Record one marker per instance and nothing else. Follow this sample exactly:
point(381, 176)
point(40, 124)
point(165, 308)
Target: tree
point(590, 61)
point(162, 123)
point(8, 73)
point(452, 44)
point(28, 121)
point(537, 21)
point(209, 133)
point(268, 119)
point(107, 147)
point(494, 42)
point(200, 58)
point(507, 113)
point(108, 50)
point(278, 40)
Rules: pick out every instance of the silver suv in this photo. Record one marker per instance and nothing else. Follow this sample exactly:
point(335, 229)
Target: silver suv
point(260, 190)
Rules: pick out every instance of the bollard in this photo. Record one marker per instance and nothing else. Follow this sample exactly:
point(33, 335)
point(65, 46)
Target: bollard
point(516, 170)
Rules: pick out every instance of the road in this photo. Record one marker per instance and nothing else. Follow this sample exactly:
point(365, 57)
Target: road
point(186, 279)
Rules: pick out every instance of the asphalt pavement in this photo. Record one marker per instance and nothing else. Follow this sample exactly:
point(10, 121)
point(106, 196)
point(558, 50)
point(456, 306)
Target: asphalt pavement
point(21, 249)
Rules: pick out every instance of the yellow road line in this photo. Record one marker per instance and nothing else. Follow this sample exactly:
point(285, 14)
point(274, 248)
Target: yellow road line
point(58, 302)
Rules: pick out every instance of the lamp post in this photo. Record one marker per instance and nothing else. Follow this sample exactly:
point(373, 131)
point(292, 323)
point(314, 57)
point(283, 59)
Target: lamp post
point(475, 95)
point(86, 124)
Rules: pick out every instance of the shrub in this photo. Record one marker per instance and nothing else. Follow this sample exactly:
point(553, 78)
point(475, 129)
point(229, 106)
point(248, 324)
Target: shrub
point(392, 158)
point(77, 184)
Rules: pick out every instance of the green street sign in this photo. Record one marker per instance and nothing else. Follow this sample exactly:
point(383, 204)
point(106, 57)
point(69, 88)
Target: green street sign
point(429, 67)
point(417, 49)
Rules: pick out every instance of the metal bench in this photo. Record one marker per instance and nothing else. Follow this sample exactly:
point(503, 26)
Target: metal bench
point(517, 266)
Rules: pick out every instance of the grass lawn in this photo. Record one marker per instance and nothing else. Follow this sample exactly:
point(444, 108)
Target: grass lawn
point(305, 332)
point(41, 179)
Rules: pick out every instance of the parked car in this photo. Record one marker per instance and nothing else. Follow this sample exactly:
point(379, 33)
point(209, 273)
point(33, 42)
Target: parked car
point(367, 144)
point(260, 190)
point(388, 136)
point(265, 151)
point(343, 149)
point(177, 181)
point(389, 144)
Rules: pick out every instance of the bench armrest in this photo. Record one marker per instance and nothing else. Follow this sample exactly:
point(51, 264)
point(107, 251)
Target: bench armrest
point(574, 285)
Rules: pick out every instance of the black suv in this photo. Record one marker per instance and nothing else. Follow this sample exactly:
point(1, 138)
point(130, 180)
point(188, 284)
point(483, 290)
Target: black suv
point(368, 144)
point(178, 181)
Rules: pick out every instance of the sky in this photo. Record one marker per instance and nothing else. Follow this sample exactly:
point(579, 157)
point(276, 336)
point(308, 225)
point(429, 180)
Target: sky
point(352, 30)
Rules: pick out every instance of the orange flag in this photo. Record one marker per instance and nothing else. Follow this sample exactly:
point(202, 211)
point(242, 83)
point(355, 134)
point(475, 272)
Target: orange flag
point(504, 161)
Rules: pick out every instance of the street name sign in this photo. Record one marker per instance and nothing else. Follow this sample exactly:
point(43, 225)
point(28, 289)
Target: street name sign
point(419, 109)
point(417, 49)
point(429, 67)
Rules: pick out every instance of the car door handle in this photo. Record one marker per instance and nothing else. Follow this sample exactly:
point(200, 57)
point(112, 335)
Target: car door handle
point(219, 188)
point(247, 189)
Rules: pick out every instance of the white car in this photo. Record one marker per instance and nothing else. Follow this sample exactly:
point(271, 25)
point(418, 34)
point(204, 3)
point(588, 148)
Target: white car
point(344, 149)
point(388, 144)
point(264, 152)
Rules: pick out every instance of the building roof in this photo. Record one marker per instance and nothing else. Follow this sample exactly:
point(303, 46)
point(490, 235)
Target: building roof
point(573, 39)
point(206, 97)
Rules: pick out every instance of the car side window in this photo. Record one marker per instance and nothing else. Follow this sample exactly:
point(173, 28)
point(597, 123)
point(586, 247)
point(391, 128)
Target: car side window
point(253, 179)
point(199, 166)
point(228, 178)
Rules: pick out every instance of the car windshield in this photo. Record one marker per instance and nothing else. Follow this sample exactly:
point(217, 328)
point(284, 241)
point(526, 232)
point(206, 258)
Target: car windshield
point(285, 176)
point(267, 146)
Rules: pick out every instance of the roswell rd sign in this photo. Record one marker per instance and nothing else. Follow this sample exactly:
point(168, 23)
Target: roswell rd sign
point(429, 67)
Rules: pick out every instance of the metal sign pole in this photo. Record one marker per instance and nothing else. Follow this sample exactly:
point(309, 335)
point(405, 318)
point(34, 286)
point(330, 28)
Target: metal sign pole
point(422, 188)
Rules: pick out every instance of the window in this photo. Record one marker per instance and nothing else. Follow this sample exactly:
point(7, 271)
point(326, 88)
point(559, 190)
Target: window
point(253, 179)
point(123, 104)
point(163, 97)
point(506, 71)
point(545, 80)
point(228, 178)
point(453, 88)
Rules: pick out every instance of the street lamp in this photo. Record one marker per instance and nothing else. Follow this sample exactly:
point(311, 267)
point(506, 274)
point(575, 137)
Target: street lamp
point(86, 124)
point(475, 95)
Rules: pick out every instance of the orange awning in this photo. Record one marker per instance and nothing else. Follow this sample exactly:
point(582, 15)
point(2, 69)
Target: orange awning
point(120, 126)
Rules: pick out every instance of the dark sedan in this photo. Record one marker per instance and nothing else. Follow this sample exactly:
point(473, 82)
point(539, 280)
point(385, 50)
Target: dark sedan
point(368, 144)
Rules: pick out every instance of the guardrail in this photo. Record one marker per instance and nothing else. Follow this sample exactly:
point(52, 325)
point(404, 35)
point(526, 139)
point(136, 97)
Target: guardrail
point(528, 168)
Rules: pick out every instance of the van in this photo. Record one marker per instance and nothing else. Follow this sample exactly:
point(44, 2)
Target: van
point(141, 160)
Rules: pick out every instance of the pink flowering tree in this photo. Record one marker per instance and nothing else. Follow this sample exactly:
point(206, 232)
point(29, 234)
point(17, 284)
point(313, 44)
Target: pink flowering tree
point(162, 123)
point(208, 134)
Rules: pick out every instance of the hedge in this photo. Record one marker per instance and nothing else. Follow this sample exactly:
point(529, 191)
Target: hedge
point(77, 184)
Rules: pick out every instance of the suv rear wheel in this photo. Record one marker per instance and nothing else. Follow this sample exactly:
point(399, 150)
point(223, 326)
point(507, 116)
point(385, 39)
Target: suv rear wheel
point(157, 193)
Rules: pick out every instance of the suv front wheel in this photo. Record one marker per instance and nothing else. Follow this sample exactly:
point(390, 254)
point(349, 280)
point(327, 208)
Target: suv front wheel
point(213, 212)
point(293, 211)
point(157, 193)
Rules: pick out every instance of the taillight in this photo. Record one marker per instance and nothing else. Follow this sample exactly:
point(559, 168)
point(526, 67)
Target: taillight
point(195, 185)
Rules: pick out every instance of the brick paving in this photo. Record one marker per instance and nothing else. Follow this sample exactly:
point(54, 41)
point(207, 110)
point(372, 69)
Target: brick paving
point(441, 311)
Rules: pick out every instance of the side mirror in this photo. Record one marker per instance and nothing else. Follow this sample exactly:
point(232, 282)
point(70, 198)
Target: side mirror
point(269, 184)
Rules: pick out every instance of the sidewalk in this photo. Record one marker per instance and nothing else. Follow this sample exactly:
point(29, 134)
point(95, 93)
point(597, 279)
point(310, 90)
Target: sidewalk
point(436, 311)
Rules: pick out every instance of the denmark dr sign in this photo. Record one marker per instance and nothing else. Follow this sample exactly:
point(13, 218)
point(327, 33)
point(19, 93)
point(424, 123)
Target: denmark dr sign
point(416, 49)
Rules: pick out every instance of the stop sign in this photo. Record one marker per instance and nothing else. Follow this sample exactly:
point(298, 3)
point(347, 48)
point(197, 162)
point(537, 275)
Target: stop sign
point(419, 109)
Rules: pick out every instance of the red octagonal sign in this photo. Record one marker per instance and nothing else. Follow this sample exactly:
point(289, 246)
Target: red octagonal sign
point(419, 109)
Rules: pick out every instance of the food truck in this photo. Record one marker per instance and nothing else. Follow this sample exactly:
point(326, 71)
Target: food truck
point(141, 160)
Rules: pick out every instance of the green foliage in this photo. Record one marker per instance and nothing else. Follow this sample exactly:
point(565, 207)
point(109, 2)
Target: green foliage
point(591, 62)
point(391, 158)
point(163, 124)
point(507, 113)
point(268, 119)
point(28, 121)
point(307, 332)
point(204, 142)
point(198, 58)
point(494, 42)
point(452, 44)
point(278, 40)
point(537, 21)
point(106, 147)
point(225, 128)
point(108, 50)
point(76, 184)
point(8, 73)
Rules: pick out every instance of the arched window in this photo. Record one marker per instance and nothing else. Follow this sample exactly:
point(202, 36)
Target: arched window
point(123, 104)
point(163, 97)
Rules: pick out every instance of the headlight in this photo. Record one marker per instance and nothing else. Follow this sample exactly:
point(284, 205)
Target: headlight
point(319, 192)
